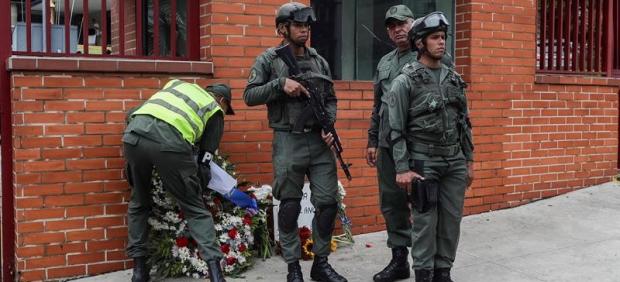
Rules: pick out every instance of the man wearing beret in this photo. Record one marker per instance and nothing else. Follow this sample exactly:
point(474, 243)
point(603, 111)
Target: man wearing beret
point(393, 199)
point(163, 133)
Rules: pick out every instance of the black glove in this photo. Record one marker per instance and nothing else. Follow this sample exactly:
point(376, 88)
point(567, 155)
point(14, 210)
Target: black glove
point(204, 168)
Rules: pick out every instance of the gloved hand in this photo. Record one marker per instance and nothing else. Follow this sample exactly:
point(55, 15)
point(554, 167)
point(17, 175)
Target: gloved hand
point(204, 168)
point(242, 200)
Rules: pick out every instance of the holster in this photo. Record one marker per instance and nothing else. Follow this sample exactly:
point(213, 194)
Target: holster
point(424, 195)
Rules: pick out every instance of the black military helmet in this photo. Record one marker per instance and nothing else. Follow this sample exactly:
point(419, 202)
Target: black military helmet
point(295, 12)
point(435, 21)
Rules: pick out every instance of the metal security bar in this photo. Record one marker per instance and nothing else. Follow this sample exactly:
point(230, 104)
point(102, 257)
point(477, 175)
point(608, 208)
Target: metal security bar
point(576, 36)
point(114, 28)
point(616, 41)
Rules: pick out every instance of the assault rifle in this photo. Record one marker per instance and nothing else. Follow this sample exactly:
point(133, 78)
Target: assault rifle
point(314, 105)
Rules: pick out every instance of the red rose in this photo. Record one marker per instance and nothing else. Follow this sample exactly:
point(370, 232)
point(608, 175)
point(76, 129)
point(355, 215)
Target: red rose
point(231, 260)
point(225, 248)
point(247, 219)
point(232, 233)
point(182, 242)
point(181, 215)
point(304, 233)
point(242, 247)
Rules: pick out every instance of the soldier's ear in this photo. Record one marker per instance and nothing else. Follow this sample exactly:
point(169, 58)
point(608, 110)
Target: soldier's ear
point(419, 44)
point(282, 29)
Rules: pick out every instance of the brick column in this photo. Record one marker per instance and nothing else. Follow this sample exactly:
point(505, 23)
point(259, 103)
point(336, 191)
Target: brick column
point(496, 54)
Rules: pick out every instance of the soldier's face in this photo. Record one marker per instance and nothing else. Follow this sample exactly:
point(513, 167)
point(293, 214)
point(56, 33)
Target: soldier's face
point(397, 31)
point(436, 45)
point(299, 32)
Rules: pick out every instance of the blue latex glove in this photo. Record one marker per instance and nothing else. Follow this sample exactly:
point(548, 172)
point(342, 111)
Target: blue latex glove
point(242, 200)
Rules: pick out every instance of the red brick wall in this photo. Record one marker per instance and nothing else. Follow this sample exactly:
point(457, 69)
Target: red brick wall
point(70, 194)
point(565, 137)
point(536, 136)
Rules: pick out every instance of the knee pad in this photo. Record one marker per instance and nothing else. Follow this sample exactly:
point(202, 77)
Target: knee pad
point(288, 214)
point(325, 217)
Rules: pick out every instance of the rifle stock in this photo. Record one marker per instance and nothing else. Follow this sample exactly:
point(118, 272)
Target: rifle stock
point(314, 103)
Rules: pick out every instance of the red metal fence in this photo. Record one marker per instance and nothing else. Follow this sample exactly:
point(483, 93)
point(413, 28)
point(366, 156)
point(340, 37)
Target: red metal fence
point(577, 36)
point(616, 24)
point(115, 28)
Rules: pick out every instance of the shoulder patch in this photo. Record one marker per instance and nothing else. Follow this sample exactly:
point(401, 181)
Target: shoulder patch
point(392, 100)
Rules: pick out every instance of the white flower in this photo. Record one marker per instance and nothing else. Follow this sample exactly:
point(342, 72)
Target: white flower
point(261, 193)
point(341, 192)
point(199, 264)
point(240, 259)
point(184, 253)
point(229, 268)
point(172, 217)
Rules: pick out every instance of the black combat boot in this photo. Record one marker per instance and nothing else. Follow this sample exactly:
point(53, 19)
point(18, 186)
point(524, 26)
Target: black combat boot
point(397, 269)
point(442, 275)
point(423, 275)
point(294, 273)
point(322, 271)
point(140, 270)
point(215, 271)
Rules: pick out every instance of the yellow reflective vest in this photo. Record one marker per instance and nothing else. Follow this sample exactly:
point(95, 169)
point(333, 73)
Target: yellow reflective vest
point(186, 106)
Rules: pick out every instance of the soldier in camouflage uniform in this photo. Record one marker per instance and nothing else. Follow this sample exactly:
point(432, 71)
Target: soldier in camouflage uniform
point(432, 145)
point(393, 199)
point(298, 154)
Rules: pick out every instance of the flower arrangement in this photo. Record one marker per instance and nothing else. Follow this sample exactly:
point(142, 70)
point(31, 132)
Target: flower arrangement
point(346, 238)
point(242, 237)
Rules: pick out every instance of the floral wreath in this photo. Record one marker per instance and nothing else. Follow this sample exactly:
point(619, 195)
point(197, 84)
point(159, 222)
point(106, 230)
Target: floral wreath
point(242, 237)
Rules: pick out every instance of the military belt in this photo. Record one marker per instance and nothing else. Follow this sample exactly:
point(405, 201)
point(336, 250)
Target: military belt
point(305, 130)
point(436, 150)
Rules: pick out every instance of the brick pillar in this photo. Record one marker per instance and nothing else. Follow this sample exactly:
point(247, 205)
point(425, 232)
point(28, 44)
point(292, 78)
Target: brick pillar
point(496, 54)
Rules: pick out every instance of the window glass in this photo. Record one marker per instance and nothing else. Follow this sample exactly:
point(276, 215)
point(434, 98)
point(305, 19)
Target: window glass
point(352, 36)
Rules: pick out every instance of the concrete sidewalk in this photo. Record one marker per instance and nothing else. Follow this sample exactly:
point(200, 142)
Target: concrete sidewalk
point(572, 237)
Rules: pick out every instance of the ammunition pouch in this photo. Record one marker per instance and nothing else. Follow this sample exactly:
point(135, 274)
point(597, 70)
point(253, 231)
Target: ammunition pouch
point(424, 195)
